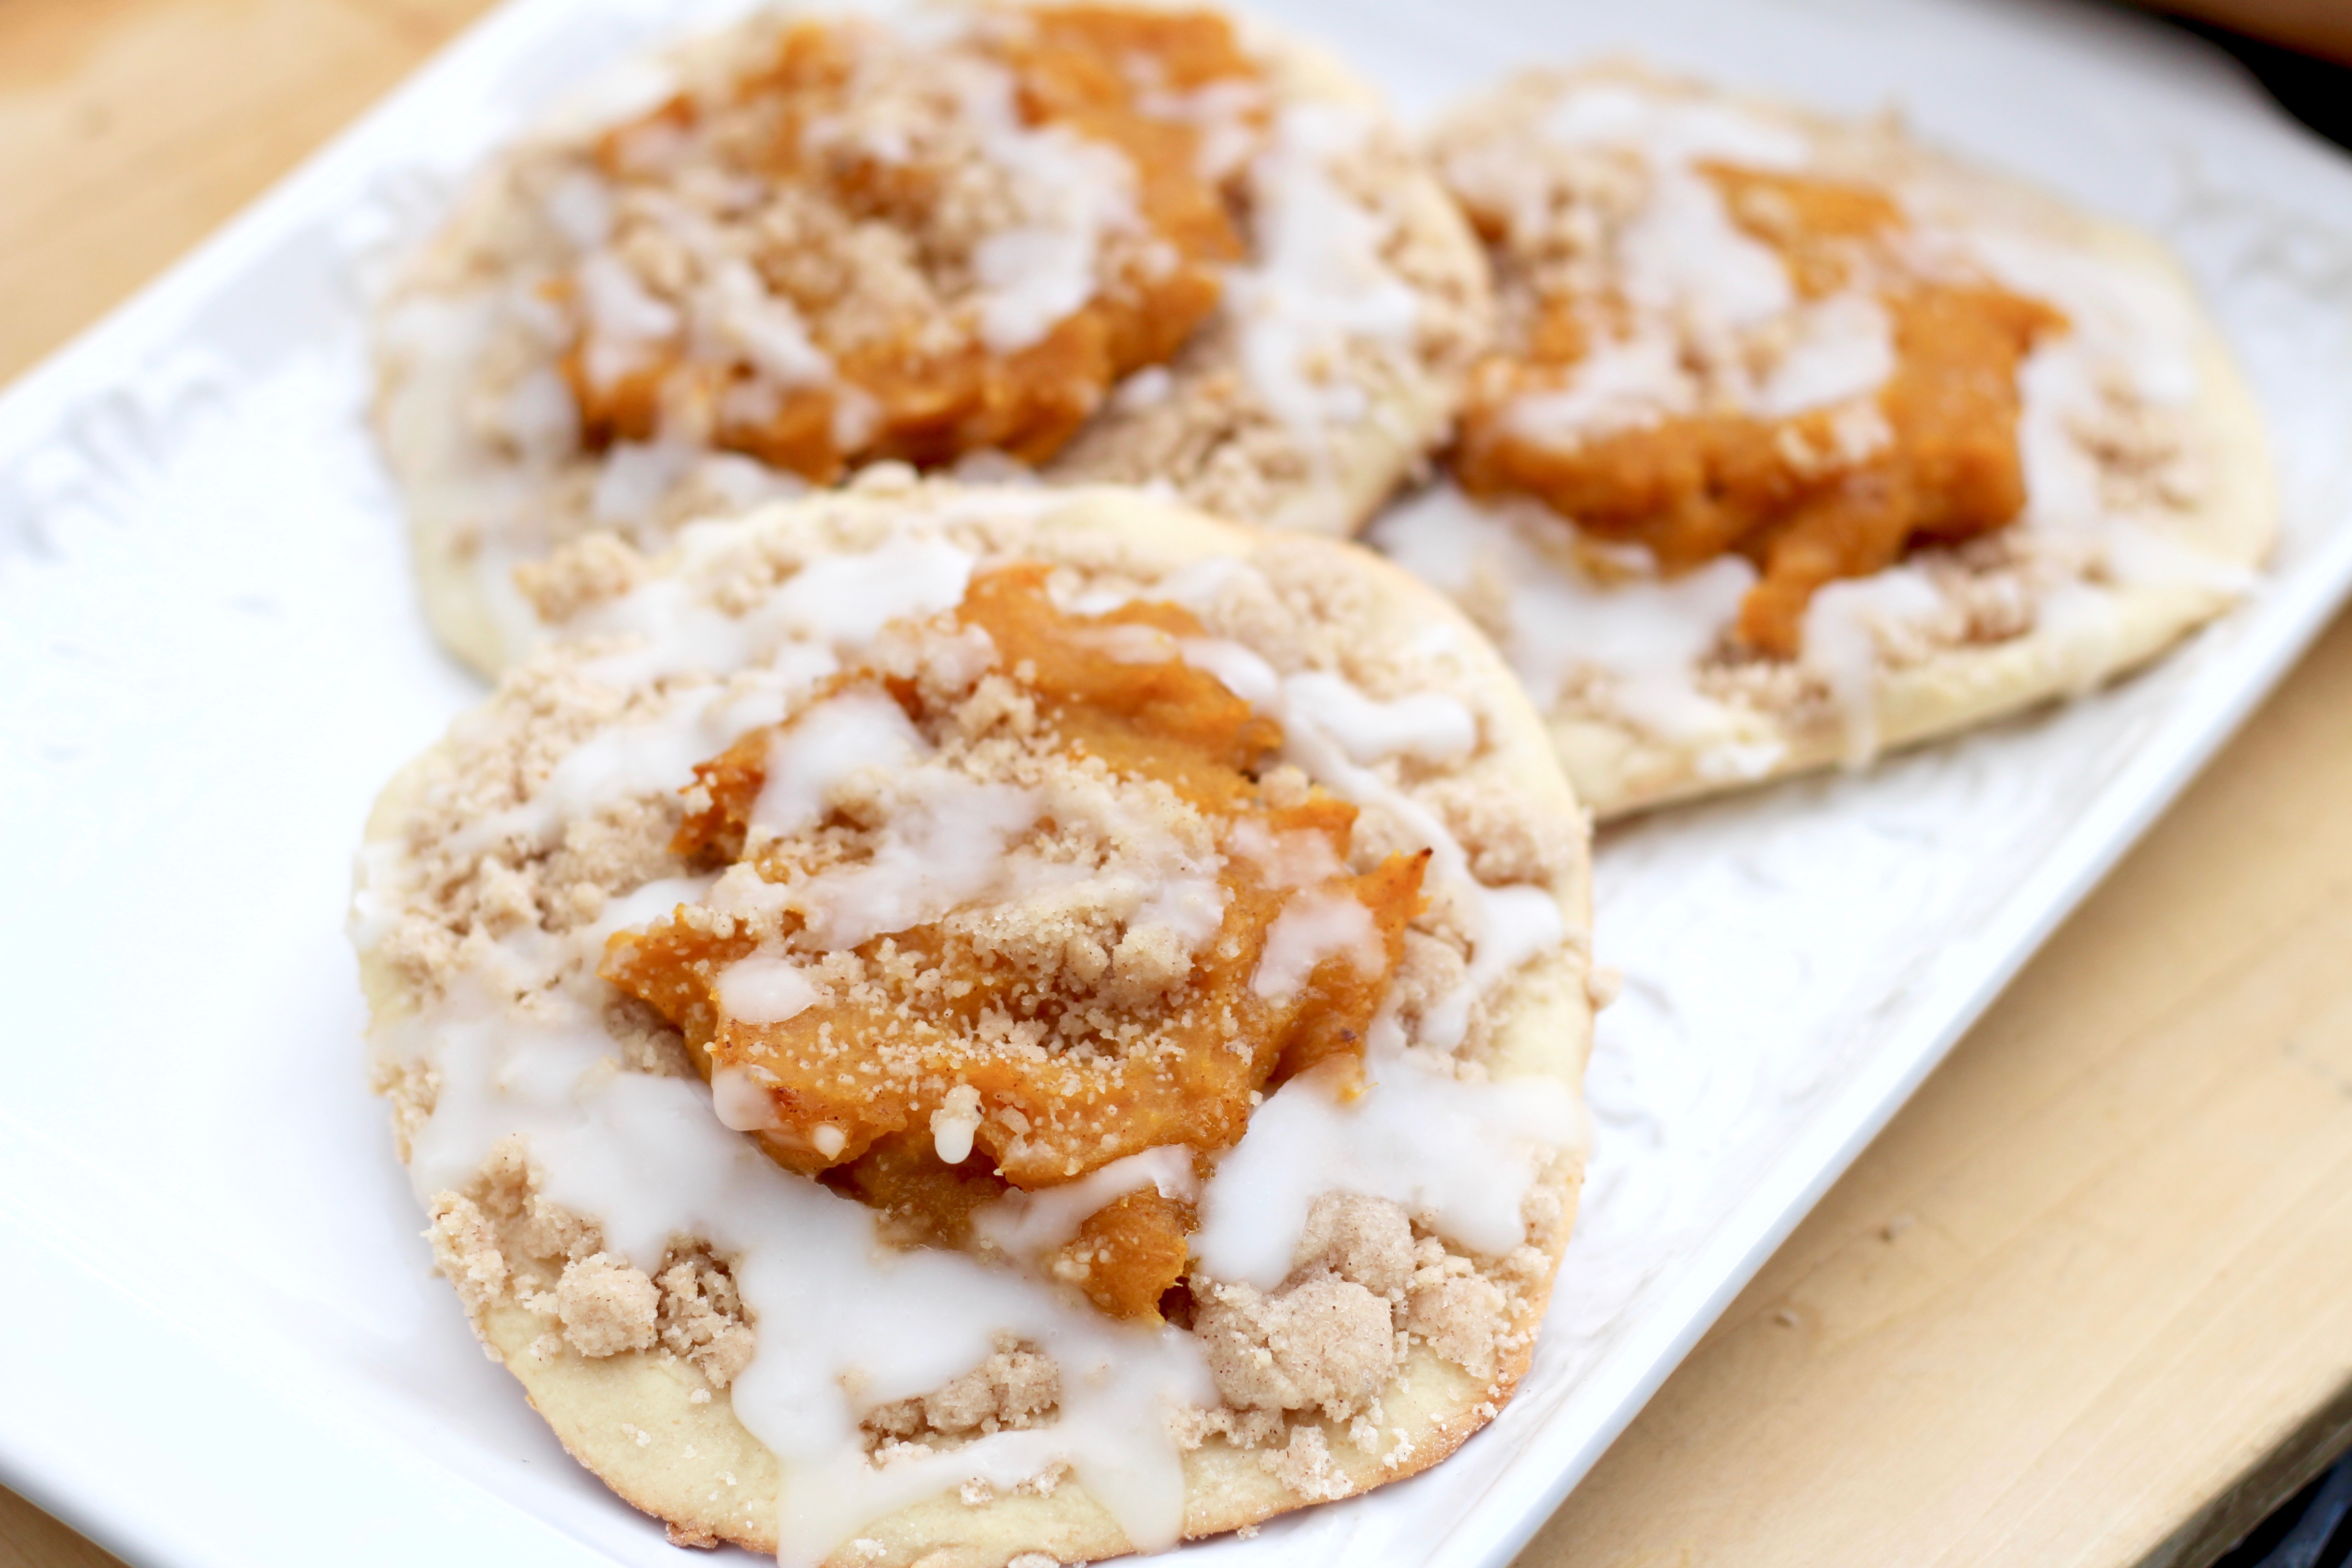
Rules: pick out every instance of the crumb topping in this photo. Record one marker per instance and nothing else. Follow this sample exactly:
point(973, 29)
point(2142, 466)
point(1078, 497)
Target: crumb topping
point(607, 1307)
point(1015, 1389)
point(501, 1239)
point(1326, 1341)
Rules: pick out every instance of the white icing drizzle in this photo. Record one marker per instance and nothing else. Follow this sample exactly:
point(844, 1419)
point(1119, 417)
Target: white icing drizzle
point(740, 1097)
point(1693, 280)
point(1459, 1156)
point(1682, 130)
point(1147, 388)
point(1026, 1223)
point(760, 988)
point(1842, 630)
point(736, 312)
point(2133, 318)
point(624, 322)
point(944, 847)
point(1644, 637)
point(1427, 725)
point(1621, 384)
point(581, 207)
point(1219, 113)
point(1844, 349)
point(1318, 279)
point(1315, 926)
point(1071, 191)
point(540, 418)
point(830, 605)
point(823, 748)
point(1128, 644)
point(633, 759)
point(1684, 257)
point(1299, 858)
point(2124, 324)
point(1326, 726)
point(635, 476)
point(1188, 900)
point(952, 840)
point(613, 95)
point(1690, 274)
point(954, 1123)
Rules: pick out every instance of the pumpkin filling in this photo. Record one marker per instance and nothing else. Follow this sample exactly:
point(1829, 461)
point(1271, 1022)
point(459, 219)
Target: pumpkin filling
point(923, 248)
point(1027, 897)
point(1828, 490)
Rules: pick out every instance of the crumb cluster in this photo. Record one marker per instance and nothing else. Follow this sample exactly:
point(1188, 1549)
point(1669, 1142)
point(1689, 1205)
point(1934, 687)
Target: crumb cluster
point(1014, 1389)
point(1306, 1364)
point(501, 1239)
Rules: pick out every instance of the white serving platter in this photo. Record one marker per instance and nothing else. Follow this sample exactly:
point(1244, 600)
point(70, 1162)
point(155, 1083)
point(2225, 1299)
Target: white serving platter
point(219, 1341)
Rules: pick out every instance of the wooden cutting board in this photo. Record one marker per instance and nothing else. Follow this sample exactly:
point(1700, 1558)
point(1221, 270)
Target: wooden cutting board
point(2085, 1302)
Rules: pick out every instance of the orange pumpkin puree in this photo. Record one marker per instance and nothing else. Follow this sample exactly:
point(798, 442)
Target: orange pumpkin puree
point(1783, 492)
point(872, 1068)
point(931, 390)
point(1130, 1253)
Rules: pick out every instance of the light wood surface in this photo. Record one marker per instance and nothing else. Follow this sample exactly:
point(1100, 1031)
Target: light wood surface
point(2086, 1302)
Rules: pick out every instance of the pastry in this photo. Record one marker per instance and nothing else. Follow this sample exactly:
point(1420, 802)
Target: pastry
point(1802, 441)
point(1115, 243)
point(984, 1024)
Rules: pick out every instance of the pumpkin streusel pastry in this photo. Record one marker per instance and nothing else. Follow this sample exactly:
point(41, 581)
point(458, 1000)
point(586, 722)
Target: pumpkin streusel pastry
point(985, 1025)
point(1121, 243)
point(1802, 441)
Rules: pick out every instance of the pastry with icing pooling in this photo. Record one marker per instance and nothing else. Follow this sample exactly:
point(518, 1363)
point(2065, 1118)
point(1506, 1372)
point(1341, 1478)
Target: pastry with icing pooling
point(990, 1021)
point(1113, 243)
point(1800, 441)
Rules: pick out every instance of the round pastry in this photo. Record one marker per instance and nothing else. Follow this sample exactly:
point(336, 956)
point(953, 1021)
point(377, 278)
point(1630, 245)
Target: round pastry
point(1802, 441)
point(1117, 242)
point(988, 1025)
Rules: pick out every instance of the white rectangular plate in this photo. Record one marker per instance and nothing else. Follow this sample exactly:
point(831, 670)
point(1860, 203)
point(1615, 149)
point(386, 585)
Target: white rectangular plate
point(220, 1341)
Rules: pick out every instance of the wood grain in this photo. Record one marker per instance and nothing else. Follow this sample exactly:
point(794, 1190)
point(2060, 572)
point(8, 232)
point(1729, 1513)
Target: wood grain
point(2085, 1302)
point(132, 128)
point(31, 1539)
